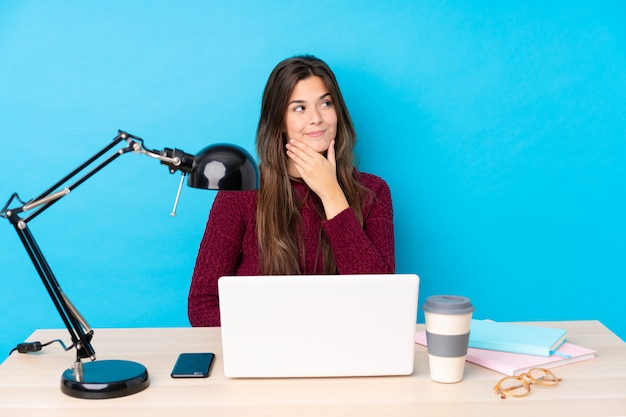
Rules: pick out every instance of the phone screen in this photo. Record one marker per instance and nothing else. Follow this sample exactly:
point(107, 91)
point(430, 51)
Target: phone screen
point(193, 365)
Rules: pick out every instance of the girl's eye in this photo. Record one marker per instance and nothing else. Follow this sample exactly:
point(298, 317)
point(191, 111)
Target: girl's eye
point(327, 103)
point(298, 108)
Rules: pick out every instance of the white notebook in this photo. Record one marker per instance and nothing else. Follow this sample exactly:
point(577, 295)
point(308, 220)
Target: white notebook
point(318, 325)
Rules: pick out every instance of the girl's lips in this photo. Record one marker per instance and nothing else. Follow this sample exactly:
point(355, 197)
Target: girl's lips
point(316, 133)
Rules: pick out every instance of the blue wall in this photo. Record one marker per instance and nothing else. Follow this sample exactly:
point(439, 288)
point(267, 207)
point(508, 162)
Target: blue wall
point(500, 127)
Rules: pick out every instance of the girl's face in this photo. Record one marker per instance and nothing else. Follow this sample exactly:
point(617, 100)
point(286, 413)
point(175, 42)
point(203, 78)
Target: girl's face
point(311, 116)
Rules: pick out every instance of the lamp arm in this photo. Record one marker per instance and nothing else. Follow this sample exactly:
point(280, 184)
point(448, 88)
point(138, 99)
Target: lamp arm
point(166, 160)
point(51, 195)
point(81, 337)
point(80, 332)
point(120, 137)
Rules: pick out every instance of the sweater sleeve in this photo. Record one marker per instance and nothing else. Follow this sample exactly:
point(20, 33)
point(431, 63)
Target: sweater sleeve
point(367, 249)
point(219, 254)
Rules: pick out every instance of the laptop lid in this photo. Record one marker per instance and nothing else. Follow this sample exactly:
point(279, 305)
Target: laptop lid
point(318, 325)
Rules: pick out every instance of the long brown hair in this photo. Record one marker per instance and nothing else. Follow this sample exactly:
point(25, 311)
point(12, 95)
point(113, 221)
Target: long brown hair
point(278, 210)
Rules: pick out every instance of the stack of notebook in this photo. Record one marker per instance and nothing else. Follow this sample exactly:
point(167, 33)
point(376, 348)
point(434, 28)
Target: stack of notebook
point(513, 349)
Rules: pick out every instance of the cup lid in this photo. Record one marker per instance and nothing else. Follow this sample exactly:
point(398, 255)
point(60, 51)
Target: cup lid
point(448, 304)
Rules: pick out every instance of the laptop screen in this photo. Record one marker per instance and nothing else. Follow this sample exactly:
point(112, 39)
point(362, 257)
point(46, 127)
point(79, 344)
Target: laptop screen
point(318, 325)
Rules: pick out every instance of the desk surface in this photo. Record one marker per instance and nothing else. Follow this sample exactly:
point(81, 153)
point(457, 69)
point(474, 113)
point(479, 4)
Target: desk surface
point(29, 384)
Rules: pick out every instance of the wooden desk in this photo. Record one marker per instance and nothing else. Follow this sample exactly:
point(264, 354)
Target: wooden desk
point(29, 384)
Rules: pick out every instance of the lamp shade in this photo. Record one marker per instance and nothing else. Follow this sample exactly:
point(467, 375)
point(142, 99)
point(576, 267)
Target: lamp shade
point(224, 167)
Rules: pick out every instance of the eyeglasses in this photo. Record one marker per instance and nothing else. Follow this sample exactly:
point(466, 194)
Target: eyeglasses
point(519, 386)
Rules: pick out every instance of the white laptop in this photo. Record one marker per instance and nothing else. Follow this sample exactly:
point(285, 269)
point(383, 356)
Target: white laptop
point(318, 325)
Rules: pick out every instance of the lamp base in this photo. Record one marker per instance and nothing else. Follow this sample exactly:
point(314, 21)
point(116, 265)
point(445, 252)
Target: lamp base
point(106, 379)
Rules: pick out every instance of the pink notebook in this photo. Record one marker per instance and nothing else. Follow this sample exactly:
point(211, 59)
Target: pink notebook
point(515, 363)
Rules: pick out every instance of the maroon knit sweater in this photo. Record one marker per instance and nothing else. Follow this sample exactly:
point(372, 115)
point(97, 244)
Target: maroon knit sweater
point(230, 246)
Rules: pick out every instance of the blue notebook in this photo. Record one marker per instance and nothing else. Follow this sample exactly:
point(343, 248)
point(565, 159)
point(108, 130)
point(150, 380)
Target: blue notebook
point(516, 338)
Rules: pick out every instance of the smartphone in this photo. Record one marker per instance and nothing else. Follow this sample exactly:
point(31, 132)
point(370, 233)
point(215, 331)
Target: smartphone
point(193, 365)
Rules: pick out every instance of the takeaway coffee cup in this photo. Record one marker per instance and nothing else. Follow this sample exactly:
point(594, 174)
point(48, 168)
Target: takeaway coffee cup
point(448, 319)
